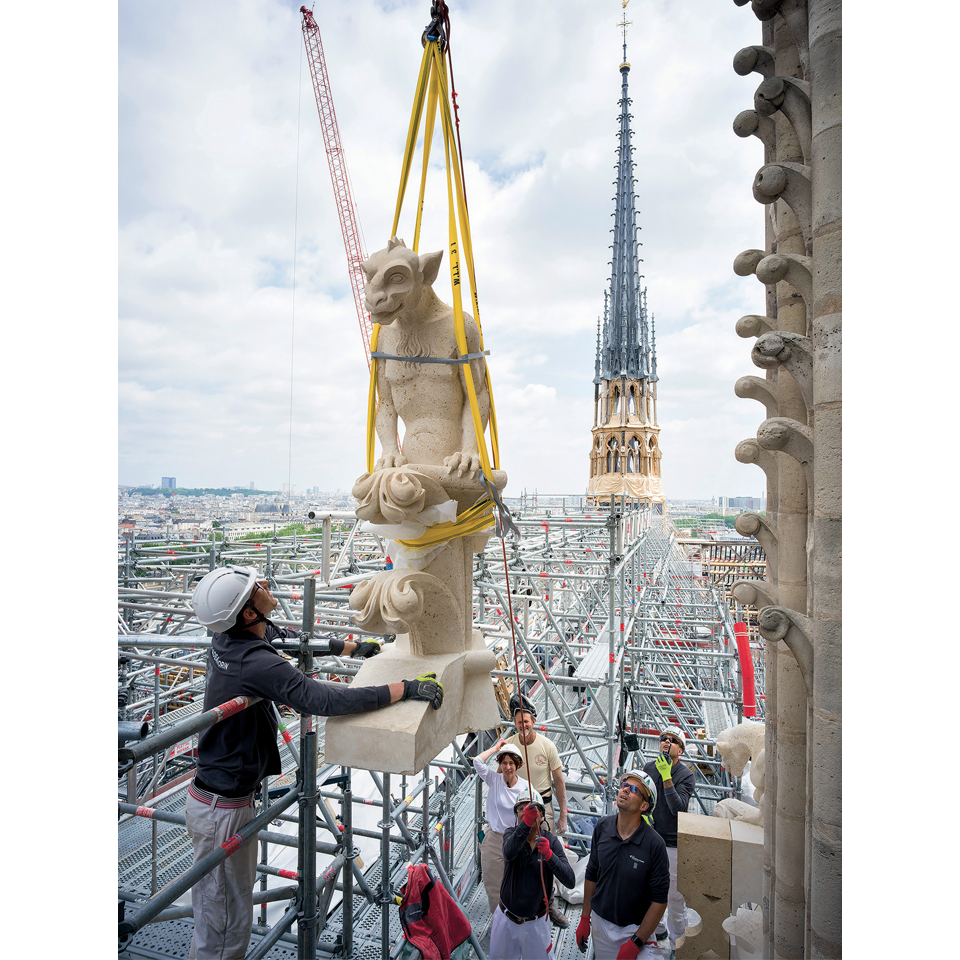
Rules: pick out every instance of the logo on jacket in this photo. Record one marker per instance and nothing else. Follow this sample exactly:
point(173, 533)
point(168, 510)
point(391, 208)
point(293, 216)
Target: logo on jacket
point(220, 663)
point(636, 861)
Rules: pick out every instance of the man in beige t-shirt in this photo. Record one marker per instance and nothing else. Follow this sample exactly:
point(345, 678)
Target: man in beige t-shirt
point(542, 768)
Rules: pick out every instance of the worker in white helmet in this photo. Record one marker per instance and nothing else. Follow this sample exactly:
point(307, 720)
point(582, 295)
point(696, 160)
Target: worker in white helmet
point(504, 788)
point(675, 784)
point(627, 877)
point(236, 754)
point(544, 770)
point(533, 858)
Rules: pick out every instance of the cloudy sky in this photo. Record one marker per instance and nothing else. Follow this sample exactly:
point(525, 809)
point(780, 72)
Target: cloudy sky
point(240, 358)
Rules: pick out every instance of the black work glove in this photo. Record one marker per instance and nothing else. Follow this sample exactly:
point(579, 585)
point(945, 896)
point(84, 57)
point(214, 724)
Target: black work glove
point(368, 648)
point(425, 687)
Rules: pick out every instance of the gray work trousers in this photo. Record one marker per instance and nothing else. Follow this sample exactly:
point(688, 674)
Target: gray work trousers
point(223, 899)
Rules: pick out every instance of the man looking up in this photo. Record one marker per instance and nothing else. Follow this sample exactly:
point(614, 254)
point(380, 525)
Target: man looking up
point(533, 857)
point(627, 877)
point(675, 784)
point(236, 754)
point(545, 773)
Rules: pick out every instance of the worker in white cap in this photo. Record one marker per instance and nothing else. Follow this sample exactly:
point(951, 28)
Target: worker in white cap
point(534, 858)
point(236, 754)
point(504, 788)
point(627, 877)
point(545, 773)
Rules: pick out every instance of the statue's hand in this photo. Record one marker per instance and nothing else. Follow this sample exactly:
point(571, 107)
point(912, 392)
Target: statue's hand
point(390, 460)
point(462, 463)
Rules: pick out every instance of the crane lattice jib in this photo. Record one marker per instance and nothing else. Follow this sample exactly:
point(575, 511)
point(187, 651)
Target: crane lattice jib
point(338, 172)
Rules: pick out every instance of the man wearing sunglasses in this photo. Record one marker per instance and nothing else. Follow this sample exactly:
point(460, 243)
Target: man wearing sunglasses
point(675, 785)
point(627, 877)
point(235, 755)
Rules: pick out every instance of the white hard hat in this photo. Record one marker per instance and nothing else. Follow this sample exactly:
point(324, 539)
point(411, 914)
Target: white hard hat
point(220, 596)
point(525, 799)
point(675, 732)
point(643, 777)
point(511, 751)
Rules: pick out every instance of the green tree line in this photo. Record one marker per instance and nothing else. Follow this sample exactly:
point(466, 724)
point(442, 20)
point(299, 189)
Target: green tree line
point(200, 492)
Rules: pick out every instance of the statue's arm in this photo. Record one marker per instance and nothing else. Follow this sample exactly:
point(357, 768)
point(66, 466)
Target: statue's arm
point(387, 422)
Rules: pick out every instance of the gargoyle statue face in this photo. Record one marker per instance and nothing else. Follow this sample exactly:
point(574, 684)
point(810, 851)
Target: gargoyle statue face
point(396, 277)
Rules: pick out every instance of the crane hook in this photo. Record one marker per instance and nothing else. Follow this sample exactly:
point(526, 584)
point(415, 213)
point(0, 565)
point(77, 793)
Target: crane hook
point(434, 29)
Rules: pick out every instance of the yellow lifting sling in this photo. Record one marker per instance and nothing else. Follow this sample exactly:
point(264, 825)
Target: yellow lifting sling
point(432, 90)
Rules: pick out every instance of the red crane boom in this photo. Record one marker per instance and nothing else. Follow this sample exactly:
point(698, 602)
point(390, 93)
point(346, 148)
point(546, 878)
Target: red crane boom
point(338, 172)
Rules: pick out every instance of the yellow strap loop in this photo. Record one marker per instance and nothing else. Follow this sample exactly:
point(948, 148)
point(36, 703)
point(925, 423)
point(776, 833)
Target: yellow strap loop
point(428, 127)
point(472, 520)
point(418, 99)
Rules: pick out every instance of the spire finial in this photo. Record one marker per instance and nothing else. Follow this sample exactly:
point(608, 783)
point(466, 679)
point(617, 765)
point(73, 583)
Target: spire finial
point(624, 23)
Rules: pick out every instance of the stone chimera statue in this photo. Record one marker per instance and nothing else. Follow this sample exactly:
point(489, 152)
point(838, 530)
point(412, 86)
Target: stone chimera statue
point(430, 398)
point(427, 599)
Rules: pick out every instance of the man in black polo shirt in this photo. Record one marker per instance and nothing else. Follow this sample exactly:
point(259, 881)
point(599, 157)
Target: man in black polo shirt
point(236, 754)
point(627, 877)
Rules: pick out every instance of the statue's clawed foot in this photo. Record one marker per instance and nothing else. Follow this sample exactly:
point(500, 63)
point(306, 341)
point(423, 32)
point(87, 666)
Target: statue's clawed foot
point(390, 460)
point(462, 463)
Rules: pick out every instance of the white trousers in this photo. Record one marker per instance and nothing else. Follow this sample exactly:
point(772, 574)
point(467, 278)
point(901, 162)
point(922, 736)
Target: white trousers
point(609, 938)
point(520, 941)
point(676, 914)
point(223, 899)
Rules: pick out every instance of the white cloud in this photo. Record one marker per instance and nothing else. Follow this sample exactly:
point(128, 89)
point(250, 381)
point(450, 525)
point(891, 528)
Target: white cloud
point(211, 193)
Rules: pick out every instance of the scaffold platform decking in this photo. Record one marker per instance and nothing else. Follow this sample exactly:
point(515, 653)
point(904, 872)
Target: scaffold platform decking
point(615, 634)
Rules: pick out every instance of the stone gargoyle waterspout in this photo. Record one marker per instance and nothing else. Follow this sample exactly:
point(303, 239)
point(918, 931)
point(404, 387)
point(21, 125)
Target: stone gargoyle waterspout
point(433, 479)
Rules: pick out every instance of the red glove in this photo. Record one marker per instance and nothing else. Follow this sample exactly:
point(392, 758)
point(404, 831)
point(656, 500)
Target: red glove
point(543, 847)
point(583, 932)
point(530, 813)
point(629, 950)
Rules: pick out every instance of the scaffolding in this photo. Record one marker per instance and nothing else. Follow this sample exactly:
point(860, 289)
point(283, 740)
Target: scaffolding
point(614, 634)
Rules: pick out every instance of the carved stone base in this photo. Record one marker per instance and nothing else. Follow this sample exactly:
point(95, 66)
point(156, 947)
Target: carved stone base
point(404, 737)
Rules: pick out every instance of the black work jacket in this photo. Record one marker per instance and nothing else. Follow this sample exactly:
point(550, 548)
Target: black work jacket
point(237, 753)
point(671, 800)
point(521, 889)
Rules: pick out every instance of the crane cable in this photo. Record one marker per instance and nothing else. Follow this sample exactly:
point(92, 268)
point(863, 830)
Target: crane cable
point(516, 668)
point(293, 306)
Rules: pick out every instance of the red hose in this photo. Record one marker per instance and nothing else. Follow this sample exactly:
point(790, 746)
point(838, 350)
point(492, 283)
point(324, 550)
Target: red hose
point(746, 670)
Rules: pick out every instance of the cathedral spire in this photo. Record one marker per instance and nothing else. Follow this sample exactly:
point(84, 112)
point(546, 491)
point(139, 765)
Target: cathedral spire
point(625, 454)
point(622, 352)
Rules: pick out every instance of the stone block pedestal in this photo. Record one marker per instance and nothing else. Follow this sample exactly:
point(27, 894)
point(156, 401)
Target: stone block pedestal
point(719, 867)
point(406, 736)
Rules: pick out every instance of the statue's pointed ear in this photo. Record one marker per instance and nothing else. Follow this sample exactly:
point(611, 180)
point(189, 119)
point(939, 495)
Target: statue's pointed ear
point(368, 268)
point(430, 266)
